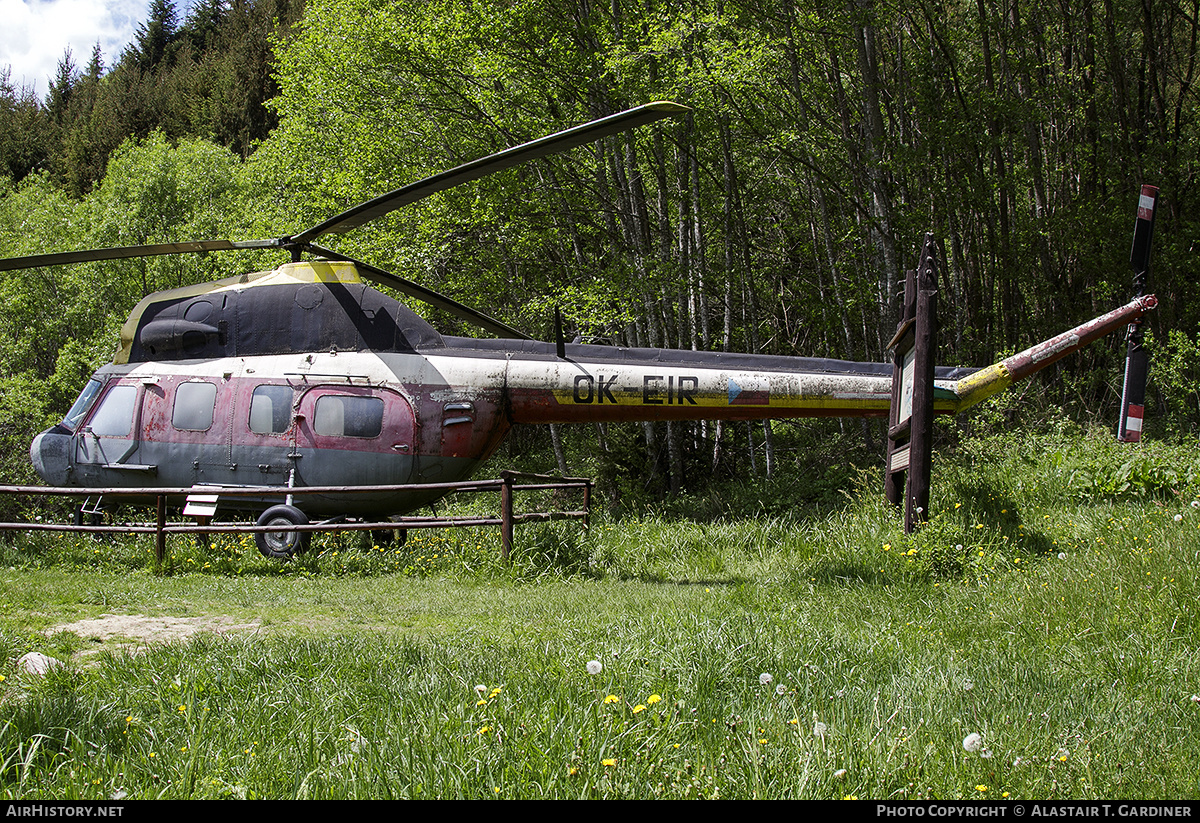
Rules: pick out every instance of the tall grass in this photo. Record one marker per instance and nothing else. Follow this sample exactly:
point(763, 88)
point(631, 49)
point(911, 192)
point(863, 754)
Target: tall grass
point(1038, 639)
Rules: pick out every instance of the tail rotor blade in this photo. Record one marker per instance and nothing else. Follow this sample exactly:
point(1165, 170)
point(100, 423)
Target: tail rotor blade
point(1133, 390)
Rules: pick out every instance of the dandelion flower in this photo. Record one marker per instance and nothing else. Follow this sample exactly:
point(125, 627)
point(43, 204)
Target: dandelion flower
point(608, 761)
point(639, 708)
point(654, 698)
point(981, 788)
point(594, 667)
point(612, 698)
point(765, 679)
point(973, 742)
point(1179, 518)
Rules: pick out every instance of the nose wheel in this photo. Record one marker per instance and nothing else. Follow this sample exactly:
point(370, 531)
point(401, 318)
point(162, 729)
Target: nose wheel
point(282, 543)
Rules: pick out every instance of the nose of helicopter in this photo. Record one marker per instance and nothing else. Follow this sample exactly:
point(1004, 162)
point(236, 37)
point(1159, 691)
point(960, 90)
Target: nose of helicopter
point(49, 452)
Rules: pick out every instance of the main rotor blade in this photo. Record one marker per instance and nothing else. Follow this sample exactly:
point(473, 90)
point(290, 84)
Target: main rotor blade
point(419, 292)
point(123, 252)
point(554, 143)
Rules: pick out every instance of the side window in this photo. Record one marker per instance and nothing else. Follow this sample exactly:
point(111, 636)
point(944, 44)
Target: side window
point(271, 409)
point(114, 418)
point(346, 416)
point(194, 404)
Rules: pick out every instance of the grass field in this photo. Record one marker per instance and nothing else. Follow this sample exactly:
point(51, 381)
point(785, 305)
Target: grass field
point(1038, 639)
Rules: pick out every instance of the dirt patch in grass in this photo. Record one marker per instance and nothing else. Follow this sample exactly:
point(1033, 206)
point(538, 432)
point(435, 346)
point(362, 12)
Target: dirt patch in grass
point(140, 629)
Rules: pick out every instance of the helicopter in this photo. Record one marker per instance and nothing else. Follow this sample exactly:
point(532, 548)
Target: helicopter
point(307, 375)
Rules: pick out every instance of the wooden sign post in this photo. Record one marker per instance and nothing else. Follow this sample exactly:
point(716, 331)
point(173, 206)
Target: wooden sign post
point(910, 421)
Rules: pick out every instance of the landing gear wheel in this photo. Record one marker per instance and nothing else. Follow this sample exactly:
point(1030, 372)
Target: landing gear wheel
point(284, 543)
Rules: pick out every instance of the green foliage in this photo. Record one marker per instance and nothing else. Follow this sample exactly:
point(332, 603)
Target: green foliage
point(1175, 373)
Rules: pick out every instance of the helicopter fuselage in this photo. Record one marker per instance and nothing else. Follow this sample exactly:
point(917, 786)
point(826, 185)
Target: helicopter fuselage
point(206, 390)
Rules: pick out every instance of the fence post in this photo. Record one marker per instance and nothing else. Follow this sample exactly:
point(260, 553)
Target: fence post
point(587, 504)
point(160, 536)
point(506, 516)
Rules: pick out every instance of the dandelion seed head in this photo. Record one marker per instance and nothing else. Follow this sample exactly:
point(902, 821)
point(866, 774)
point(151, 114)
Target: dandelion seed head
point(480, 689)
point(819, 729)
point(765, 679)
point(973, 742)
point(840, 774)
point(1179, 518)
point(594, 667)
point(781, 690)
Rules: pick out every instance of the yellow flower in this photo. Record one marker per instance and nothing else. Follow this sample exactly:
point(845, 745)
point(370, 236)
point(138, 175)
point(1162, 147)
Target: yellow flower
point(652, 699)
point(484, 729)
point(612, 698)
point(639, 708)
point(608, 761)
point(981, 788)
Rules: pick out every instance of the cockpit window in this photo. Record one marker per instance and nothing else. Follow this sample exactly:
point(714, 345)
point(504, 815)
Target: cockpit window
point(81, 405)
point(114, 417)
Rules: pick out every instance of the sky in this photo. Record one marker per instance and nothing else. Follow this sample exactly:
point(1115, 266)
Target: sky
point(35, 33)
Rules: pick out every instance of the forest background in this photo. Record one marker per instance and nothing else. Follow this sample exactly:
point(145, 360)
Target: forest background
point(825, 139)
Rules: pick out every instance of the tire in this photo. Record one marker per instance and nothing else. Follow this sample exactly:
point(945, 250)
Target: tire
point(282, 544)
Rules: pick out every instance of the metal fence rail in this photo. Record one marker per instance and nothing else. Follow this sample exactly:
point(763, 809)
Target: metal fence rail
point(507, 485)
